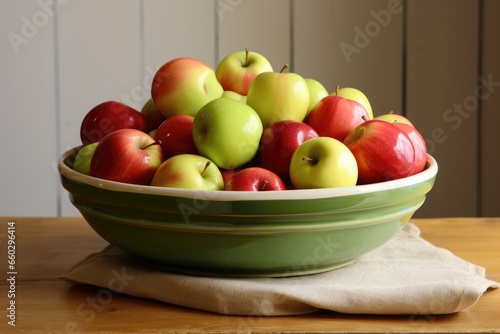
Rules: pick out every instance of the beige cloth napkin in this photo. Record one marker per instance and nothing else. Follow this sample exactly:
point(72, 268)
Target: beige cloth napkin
point(406, 275)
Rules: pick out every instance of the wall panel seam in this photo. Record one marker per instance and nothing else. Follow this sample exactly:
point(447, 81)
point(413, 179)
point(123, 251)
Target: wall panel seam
point(404, 59)
point(479, 157)
point(142, 41)
point(291, 28)
point(216, 32)
point(57, 102)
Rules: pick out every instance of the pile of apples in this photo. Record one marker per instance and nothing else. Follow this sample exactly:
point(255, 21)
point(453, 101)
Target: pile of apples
point(246, 127)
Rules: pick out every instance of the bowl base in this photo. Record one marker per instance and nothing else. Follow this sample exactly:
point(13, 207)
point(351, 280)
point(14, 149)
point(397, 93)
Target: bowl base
point(245, 273)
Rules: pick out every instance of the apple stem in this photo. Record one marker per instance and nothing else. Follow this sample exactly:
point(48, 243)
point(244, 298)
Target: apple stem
point(337, 90)
point(264, 184)
point(284, 68)
point(206, 167)
point(364, 118)
point(157, 142)
point(313, 161)
point(246, 58)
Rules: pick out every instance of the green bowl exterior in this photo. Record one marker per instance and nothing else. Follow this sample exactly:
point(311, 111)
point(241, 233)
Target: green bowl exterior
point(246, 238)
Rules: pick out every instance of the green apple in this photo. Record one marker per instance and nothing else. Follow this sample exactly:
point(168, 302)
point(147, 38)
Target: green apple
point(83, 157)
point(316, 92)
point(323, 162)
point(189, 171)
point(183, 85)
point(355, 95)
point(278, 96)
point(227, 132)
point(237, 70)
point(391, 117)
point(235, 96)
point(152, 115)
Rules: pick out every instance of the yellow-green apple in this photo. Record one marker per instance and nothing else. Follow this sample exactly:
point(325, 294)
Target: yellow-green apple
point(336, 117)
point(391, 117)
point(152, 133)
point(316, 92)
point(235, 96)
point(183, 85)
point(152, 115)
point(107, 117)
point(355, 95)
point(237, 70)
point(227, 132)
point(175, 135)
point(383, 151)
point(255, 179)
point(279, 96)
point(323, 162)
point(126, 155)
point(418, 145)
point(278, 142)
point(189, 171)
point(82, 160)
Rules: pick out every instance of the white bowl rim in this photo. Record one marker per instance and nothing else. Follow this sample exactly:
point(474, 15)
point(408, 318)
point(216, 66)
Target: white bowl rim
point(231, 196)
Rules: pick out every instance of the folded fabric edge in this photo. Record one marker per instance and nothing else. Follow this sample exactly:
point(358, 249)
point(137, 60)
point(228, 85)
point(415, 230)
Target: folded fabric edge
point(84, 273)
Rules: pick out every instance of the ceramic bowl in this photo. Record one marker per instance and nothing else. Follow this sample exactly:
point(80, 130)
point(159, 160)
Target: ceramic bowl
point(246, 234)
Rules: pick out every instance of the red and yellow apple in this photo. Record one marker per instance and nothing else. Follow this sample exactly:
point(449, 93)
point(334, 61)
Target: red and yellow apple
point(355, 94)
point(383, 151)
point(418, 145)
point(236, 71)
point(336, 117)
point(392, 117)
point(183, 85)
point(126, 155)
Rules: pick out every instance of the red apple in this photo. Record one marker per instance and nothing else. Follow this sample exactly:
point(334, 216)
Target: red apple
point(418, 145)
point(335, 116)
point(176, 136)
point(152, 115)
point(255, 179)
point(382, 150)
point(227, 175)
point(108, 117)
point(126, 155)
point(279, 141)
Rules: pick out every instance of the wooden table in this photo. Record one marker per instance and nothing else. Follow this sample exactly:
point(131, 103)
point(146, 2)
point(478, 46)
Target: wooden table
point(47, 247)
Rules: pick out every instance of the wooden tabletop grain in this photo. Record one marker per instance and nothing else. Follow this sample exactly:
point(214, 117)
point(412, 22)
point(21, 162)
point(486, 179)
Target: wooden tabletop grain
point(46, 247)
